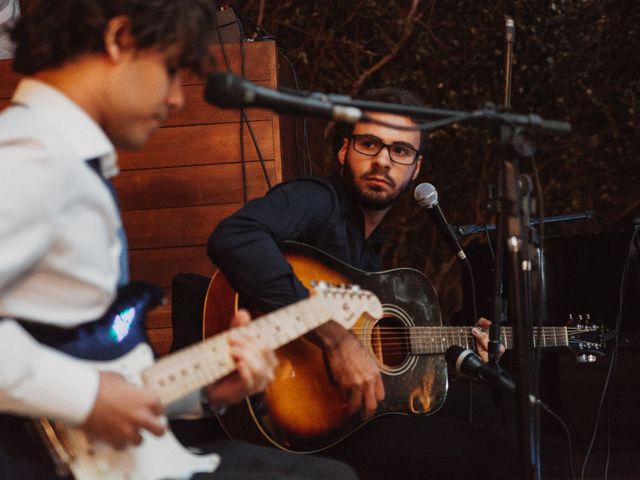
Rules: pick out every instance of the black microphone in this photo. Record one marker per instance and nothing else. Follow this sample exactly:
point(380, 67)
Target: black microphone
point(468, 363)
point(427, 196)
point(226, 90)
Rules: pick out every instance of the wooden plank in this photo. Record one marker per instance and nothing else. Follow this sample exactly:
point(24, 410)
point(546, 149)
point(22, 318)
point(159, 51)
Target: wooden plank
point(197, 111)
point(200, 145)
point(159, 317)
point(259, 61)
point(189, 186)
point(259, 58)
point(174, 227)
point(160, 339)
point(8, 78)
point(160, 265)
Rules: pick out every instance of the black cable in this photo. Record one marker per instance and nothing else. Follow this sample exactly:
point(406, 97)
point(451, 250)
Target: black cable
point(474, 306)
point(608, 386)
point(304, 165)
point(242, 154)
point(540, 317)
point(243, 114)
point(567, 433)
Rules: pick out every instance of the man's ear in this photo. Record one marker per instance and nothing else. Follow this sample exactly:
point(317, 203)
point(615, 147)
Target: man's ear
point(117, 38)
point(416, 172)
point(342, 153)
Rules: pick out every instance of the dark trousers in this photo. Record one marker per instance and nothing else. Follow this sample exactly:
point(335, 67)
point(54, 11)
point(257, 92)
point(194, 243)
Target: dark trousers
point(243, 461)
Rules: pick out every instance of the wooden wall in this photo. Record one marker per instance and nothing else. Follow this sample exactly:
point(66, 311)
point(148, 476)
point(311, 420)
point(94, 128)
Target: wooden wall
point(189, 176)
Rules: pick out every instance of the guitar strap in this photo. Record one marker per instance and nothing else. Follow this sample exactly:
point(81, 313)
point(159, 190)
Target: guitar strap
point(94, 164)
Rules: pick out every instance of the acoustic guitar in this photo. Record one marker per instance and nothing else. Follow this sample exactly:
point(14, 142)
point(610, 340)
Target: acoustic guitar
point(303, 410)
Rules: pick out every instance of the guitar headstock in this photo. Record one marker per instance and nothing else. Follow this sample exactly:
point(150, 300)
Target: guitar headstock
point(347, 303)
point(586, 338)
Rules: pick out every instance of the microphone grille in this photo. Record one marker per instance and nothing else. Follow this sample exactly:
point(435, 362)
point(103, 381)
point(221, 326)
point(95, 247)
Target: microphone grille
point(224, 90)
point(452, 354)
point(426, 195)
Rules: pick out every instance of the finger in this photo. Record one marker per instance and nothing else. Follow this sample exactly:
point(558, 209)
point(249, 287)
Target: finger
point(118, 444)
point(260, 360)
point(483, 323)
point(244, 372)
point(157, 408)
point(135, 438)
point(240, 318)
point(481, 337)
point(379, 387)
point(154, 425)
point(354, 398)
point(370, 402)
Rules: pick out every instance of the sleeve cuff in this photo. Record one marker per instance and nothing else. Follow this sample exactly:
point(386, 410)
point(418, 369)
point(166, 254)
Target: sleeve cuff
point(63, 388)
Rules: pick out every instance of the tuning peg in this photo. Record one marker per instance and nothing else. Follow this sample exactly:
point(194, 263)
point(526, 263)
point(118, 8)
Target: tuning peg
point(320, 284)
point(585, 358)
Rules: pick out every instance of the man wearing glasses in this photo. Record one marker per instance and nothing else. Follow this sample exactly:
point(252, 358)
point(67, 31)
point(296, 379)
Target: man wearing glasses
point(341, 215)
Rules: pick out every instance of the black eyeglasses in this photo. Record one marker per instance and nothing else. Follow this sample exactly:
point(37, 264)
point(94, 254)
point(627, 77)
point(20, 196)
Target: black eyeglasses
point(398, 152)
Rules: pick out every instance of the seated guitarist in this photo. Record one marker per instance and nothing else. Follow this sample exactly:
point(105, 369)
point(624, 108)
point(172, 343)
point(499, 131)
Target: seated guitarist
point(342, 215)
point(99, 75)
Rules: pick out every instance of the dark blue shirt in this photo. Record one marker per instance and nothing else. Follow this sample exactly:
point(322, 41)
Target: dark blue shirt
point(316, 211)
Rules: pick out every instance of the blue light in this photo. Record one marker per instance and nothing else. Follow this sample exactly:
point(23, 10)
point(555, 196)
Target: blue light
point(122, 324)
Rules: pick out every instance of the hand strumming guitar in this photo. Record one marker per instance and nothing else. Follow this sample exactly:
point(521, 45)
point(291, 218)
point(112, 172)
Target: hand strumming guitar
point(352, 367)
point(121, 410)
point(120, 423)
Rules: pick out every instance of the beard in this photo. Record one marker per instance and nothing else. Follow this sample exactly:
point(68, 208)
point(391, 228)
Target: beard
point(372, 199)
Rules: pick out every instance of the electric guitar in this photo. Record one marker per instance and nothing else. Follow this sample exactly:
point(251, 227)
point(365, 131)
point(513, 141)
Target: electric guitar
point(303, 410)
point(117, 342)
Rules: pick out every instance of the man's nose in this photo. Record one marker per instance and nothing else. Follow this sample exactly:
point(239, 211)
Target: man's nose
point(383, 158)
point(175, 97)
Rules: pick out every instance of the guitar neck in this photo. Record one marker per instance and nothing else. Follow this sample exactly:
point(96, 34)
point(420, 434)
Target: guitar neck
point(432, 340)
point(199, 365)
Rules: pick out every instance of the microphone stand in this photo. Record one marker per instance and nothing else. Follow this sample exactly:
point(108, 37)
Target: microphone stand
point(471, 229)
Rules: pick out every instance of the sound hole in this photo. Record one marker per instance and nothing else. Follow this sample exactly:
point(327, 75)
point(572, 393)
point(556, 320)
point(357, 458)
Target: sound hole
point(390, 341)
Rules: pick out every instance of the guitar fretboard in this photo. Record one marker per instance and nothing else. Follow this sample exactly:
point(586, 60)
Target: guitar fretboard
point(433, 340)
point(192, 368)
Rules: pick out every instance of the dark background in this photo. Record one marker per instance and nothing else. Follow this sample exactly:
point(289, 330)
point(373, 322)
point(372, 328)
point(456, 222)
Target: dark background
point(576, 61)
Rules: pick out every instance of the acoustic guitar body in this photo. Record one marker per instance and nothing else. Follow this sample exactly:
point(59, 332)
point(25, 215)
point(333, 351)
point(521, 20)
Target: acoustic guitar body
point(303, 409)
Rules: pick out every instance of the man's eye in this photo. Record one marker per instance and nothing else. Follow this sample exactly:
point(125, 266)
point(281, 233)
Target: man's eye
point(172, 70)
point(369, 143)
point(401, 150)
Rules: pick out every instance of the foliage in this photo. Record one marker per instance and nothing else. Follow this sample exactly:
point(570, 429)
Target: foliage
point(575, 60)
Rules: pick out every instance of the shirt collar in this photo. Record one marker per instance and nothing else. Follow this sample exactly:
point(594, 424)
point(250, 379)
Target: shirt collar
point(77, 129)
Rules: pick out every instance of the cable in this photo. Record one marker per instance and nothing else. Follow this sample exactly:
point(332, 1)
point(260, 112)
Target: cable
point(542, 301)
point(304, 164)
point(567, 433)
point(612, 365)
point(474, 306)
point(243, 115)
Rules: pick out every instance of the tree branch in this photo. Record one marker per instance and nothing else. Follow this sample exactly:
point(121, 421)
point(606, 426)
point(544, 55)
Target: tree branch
point(409, 22)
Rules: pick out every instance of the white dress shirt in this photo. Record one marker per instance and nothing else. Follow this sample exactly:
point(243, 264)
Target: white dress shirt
point(59, 247)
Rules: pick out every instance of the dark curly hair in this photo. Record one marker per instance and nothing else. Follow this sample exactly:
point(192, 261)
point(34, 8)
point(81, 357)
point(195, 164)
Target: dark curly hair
point(52, 32)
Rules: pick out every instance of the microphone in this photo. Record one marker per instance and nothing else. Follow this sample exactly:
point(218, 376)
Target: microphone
point(468, 363)
point(226, 90)
point(427, 196)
